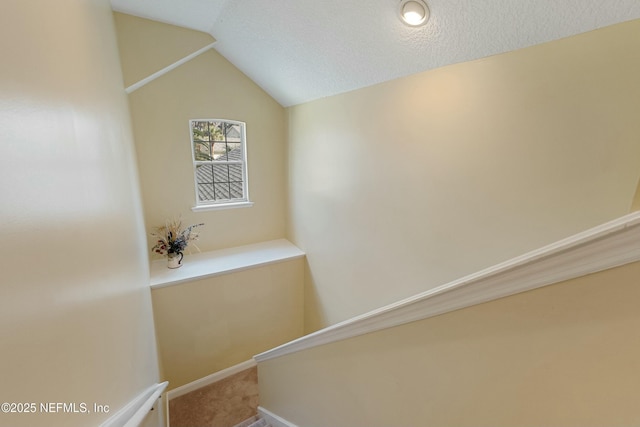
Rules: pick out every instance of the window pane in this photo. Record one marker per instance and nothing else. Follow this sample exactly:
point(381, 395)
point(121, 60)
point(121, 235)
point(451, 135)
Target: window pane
point(222, 191)
point(205, 192)
point(204, 174)
point(200, 131)
point(220, 151)
point(202, 150)
point(236, 190)
point(216, 131)
point(220, 173)
point(235, 173)
point(234, 151)
point(233, 133)
point(219, 182)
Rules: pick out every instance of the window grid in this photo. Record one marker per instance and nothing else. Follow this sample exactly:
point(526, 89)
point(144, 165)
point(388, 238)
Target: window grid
point(218, 148)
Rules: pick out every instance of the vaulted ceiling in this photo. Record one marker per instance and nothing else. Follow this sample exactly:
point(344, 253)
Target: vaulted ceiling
point(303, 50)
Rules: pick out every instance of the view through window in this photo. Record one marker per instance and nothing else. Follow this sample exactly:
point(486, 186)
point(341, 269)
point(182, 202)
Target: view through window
point(219, 159)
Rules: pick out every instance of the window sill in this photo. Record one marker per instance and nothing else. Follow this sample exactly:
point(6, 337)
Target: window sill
point(223, 261)
point(220, 206)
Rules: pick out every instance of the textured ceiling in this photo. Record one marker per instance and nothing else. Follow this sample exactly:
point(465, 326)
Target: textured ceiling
point(302, 50)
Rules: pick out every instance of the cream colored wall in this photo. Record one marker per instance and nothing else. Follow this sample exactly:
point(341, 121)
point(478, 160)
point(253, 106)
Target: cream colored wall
point(563, 355)
point(205, 87)
point(635, 205)
point(211, 324)
point(148, 46)
point(406, 185)
point(75, 313)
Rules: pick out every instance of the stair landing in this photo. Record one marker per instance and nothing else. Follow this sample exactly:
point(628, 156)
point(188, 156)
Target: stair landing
point(225, 403)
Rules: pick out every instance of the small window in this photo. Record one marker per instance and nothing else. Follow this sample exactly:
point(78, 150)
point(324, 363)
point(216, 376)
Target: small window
point(219, 163)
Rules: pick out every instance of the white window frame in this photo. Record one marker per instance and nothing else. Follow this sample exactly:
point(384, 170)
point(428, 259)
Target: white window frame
point(205, 205)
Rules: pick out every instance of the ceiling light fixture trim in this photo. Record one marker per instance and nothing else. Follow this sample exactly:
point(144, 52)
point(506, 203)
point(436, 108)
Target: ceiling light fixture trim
point(413, 12)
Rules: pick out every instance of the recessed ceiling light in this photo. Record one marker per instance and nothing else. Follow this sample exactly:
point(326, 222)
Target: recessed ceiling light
point(413, 12)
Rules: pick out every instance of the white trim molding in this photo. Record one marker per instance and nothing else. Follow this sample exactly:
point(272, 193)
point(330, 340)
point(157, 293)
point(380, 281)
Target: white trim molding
point(273, 419)
point(134, 412)
point(210, 379)
point(168, 68)
point(609, 245)
point(222, 206)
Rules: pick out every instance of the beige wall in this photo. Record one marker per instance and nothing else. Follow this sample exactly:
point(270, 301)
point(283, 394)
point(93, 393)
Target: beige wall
point(75, 309)
point(635, 205)
point(148, 46)
point(563, 355)
point(211, 324)
point(205, 87)
point(406, 185)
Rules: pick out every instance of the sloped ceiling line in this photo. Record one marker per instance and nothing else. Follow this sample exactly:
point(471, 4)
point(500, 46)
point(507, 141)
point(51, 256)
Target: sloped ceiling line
point(306, 50)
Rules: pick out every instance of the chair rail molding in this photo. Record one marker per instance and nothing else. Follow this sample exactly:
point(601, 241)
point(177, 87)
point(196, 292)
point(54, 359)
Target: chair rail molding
point(606, 246)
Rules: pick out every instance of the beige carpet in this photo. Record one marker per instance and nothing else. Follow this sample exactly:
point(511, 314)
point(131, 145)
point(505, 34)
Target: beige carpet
point(222, 404)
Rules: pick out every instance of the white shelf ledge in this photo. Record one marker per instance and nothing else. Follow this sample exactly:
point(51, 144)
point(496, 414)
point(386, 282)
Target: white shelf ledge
point(214, 263)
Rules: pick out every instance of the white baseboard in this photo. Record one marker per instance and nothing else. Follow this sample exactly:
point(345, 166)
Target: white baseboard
point(210, 379)
point(273, 419)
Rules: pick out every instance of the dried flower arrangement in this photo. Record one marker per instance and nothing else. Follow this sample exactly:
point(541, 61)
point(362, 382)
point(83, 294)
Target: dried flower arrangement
point(172, 238)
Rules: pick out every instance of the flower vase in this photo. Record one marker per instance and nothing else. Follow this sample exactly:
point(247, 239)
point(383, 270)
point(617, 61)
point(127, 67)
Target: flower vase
point(174, 259)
